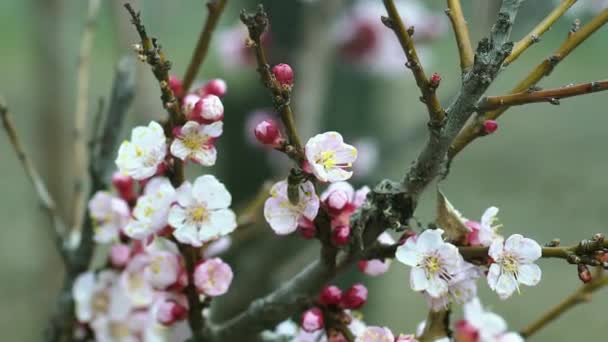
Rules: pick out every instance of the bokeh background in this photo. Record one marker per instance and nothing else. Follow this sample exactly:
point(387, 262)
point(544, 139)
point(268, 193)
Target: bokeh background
point(545, 167)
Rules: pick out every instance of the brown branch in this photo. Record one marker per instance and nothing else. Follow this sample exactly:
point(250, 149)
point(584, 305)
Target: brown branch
point(461, 33)
point(42, 192)
point(395, 23)
point(582, 295)
point(82, 96)
point(539, 30)
point(550, 95)
point(437, 326)
point(215, 8)
point(257, 24)
point(474, 129)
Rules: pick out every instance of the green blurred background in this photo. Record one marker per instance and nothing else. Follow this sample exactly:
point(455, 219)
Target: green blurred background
point(544, 167)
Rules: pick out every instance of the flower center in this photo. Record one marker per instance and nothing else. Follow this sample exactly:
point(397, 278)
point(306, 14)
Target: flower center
point(510, 263)
point(100, 302)
point(432, 264)
point(193, 141)
point(327, 159)
point(199, 214)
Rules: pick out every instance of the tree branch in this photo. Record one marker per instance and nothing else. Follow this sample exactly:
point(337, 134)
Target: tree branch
point(395, 23)
point(257, 23)
point(474, 129)
point(582, 295)
point(215, 8)
point(539, 30)
point(82, 96)
point(461, 33)
point(550, 95)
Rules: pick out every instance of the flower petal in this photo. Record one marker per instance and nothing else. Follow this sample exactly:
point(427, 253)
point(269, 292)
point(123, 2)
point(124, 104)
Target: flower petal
point(188, 234)
point(418, 279)
point(207, 189)
point(529, 274)
point(223, 221)
point(408, 254)
point(506, 285)
point(429, 240)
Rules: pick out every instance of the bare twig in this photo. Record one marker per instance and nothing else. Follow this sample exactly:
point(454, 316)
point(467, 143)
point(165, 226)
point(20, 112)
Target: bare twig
point(550, 95)
point(582, 295)
point(394, 22)
point(257, 23)
point(474, 129)
point(215, 8)
point(539, 30)
point(82, 101)
point(437, 326)
point(461, 32)
point(47, 202)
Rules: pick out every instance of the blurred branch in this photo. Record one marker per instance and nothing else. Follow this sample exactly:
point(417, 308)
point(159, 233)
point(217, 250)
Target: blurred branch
point(582, 295)
point(82, 96)
point(550, 95)
point(461, 32)
point(437, 326)
point(257, 23)
point(474, 129)
point(394, 22)
point(215, 8)
point(47, 202)
point(539, 30)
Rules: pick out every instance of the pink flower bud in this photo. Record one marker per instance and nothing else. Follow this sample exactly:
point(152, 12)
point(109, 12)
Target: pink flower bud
point(124, 185)
point(120, 255)
point(340, 235)
point(169, 312)
point(176, 86)
point(435, 80)
point(330, 295)
point(283, 73)
point(490, 126)
point(213, 277)
point(354, 297)
point(336, 336)
point(307, 228)
point(466, 332)
point(583, 273)
point(312, 320)
point(267, 132)
point(337, 200)
point(215, 87)
point(212, 108)
point(373, 267)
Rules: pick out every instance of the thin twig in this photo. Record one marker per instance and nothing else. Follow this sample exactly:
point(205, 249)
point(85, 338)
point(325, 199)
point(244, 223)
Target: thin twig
point(474, 129)
point(461, 33)
point(539, 30)
point(42, 192)
point(429, 97)
point(550, 95)
point(82, 101)
point(582, 295)
point(215, 8)
point(257, 24)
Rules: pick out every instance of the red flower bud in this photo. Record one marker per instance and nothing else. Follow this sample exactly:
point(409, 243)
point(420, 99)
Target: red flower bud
point(583, 273)
point(215, 87)
point(176, 86)
point(354, 297)
point(283, 73)
point(466, 332)
point(490, 126)
point(307, 228)
point(330, 295)
point(267, 132)
point(340, 235)
point(435, 80)
point(170, 312)
point(312, 320)
point(124, 185)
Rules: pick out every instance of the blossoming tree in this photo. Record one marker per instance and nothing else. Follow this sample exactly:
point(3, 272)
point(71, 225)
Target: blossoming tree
point(166, 235)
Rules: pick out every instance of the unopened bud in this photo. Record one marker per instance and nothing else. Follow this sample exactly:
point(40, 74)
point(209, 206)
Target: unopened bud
point(340, 235)
point(312, 320)
point(176, 86)
point(283, 73)
point(435, 80)
point(170, 312)
point(120, 255)
point(212, 108)
point(307, 228)
point(215, 87)
point(584, 274)
point(490, 126)
point(337, 200)
point(330, 295)
point(124, 185)
point(267, 132)
point(354, 297)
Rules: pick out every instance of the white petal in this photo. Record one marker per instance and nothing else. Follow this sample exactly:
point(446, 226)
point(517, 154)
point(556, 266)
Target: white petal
point(214, 130)
point(493, 275)
point(529, 274)
point(177, 216)
point(491, 325)
point(206, 156)
point(191, 127)
point(437, 287)
point(506, 285)
point(337, 174)
point(188, 234)
point(207, 189)
point(528, 250)
point(280, 216)
point(473, 311)
point(408, 254)
point(184, 194)
point(488, 216)
point(138, 229)
point(179, 150)
point(496, 249)
point(429, 240)
point(222, 221)
point(418, 279)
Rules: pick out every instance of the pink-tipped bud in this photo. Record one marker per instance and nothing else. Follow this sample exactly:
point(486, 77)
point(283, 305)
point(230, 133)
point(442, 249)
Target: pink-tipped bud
point(176, 86)
point(215, 87)
point(124, 185)
point(340, 235)
point(312, 320)
point(584, 274)
point(211, 108)
point(120, 255)
point(177, 131)
point(170, 312)
point(354, 297)
point(337, 200)
point(490, 126)
point(283, 73)
point(435, 80)
point(466, 332)
point(330, 295)
point(267, 132)
point(307, 228)
point(373, 267)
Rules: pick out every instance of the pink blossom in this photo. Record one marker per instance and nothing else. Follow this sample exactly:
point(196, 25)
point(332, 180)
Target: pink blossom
point(110, 215)
point(120, 255)
point(162, 270)
point(196, 142)
point(329, 157)
point(283, 74)
point(312, 320)
point(282, 215)
point(213, 277)
point(267, 132)
point(152, 209)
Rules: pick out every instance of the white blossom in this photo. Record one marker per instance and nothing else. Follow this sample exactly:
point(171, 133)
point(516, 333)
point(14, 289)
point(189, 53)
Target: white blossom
point(140, 157)
point(110, 214)
point(195, 142)
point(282, 216)
point(152, 208)
point(329, 158)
